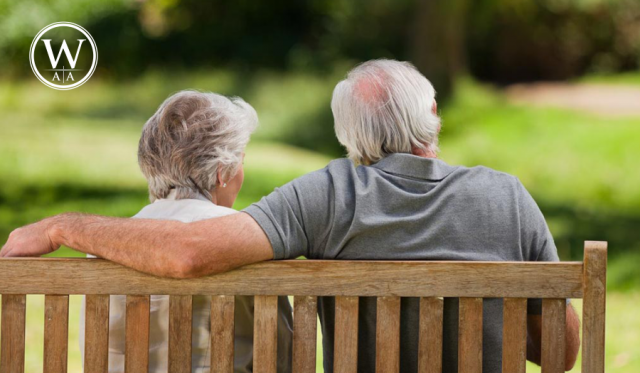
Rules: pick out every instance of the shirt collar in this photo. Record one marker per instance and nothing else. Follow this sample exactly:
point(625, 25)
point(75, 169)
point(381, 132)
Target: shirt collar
point(413, 166)
point(172, 196)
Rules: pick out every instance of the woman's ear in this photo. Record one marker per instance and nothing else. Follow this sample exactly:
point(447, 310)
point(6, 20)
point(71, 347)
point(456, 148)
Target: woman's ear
point(220, 179)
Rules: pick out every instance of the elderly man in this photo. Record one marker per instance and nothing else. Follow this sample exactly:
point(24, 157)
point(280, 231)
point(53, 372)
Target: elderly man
point(393, 200)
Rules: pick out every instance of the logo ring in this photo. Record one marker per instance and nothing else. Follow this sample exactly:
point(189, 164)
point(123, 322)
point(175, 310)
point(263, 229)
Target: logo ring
point(80, 82)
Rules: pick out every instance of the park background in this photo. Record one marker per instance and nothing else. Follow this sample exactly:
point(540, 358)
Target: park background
point(547, 90)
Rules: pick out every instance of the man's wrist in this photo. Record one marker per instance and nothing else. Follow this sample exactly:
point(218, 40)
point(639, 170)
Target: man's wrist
point(56, 229)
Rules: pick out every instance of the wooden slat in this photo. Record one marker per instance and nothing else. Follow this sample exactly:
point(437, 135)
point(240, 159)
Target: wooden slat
point(430, 342)
point(470, 336)
point(180, 314)
point(222, 333)
point(593, 306)
point(388, 335)
point(56, 333)
point(12, 334)
point(554, 320)
point(304, 334)
point(302, 277)
point(96, 337)
point(265, 334)
point(136, 359)
point(514, 335)
point(345, 354)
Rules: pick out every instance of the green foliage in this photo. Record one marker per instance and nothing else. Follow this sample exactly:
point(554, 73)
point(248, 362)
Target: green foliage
point(506, 40)
point(21, 20)
point(623, 271)
point(630, 78)
point(133, 36)
point(550, 39)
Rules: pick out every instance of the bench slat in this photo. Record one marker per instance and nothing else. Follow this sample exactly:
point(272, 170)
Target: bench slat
point(470, 336)
point(554, 320)
point(303, 277)
point(265, 334)
point(388, 335)
point(136, 359)
point(305, 329)
point(514, 335)
point(345, 354)
point(180, 314)
point(56, 333)
point(594, 306)
point(222, 333)
point(13, 320)
point(430, 340)
point(96, 340)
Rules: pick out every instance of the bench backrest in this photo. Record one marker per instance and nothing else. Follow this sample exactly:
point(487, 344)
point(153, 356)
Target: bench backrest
point(306, 280)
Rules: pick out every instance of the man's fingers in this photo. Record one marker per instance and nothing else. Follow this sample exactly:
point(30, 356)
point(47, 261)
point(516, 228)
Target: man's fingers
point(6, 248)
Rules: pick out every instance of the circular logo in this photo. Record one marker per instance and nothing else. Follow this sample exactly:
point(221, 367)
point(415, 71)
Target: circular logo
point(63, 55)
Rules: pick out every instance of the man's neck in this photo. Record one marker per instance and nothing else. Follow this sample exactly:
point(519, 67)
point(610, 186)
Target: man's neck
point(423, 153)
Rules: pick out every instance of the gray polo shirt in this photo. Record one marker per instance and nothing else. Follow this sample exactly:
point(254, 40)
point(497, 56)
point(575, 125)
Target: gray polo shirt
point(407, 208)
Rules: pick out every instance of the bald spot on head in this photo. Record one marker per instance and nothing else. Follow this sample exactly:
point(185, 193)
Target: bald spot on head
point(371, 90)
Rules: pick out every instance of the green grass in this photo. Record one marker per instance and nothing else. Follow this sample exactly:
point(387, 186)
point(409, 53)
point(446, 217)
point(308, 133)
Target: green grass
point(76, 151)
point(628, 78)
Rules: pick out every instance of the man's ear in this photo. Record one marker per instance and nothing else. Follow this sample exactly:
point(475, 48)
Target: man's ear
point(434, 110)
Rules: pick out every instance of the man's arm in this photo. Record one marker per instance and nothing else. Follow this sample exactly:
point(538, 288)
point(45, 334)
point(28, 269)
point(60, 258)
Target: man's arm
point(534, 339)
point(159, 247)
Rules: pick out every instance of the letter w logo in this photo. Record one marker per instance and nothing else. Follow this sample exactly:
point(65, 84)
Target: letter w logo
point(65, 48)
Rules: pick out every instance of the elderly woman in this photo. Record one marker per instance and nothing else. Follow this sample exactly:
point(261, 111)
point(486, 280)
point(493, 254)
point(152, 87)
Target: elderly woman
point(191, 152)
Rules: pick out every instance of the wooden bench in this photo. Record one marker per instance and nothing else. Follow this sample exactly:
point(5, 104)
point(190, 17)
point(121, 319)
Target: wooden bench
point(306, 280)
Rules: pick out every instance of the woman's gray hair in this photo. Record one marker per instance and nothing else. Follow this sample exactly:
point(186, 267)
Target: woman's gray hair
point(385, 107)
point(192, 136)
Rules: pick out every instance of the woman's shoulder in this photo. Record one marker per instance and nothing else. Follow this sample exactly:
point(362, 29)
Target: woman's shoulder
point(213, 211)
point(185, 210)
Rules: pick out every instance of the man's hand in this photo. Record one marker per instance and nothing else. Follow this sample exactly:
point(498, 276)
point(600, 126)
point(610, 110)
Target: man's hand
point(31, 240)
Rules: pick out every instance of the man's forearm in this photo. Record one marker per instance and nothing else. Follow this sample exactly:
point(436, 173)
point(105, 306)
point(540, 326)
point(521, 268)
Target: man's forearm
point(161, 247)
point(152, 246)
point(572, 338)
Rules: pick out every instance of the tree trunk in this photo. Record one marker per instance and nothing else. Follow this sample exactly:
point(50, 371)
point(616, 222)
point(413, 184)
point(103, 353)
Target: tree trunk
point(437, 42)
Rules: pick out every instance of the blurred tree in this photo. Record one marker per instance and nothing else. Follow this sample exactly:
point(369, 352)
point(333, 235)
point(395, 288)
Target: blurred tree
point(505, 40)
point(437, 45)
point(527, 40)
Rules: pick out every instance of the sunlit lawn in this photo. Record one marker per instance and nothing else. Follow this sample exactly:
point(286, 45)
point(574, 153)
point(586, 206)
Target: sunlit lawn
point(76, 151)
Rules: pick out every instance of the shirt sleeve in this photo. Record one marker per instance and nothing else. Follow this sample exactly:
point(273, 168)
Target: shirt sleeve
point(536, 240)
point(297, 216)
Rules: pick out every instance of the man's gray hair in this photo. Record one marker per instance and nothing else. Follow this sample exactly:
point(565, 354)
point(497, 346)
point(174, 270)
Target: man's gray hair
point(192, 136)
point(385, 107)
